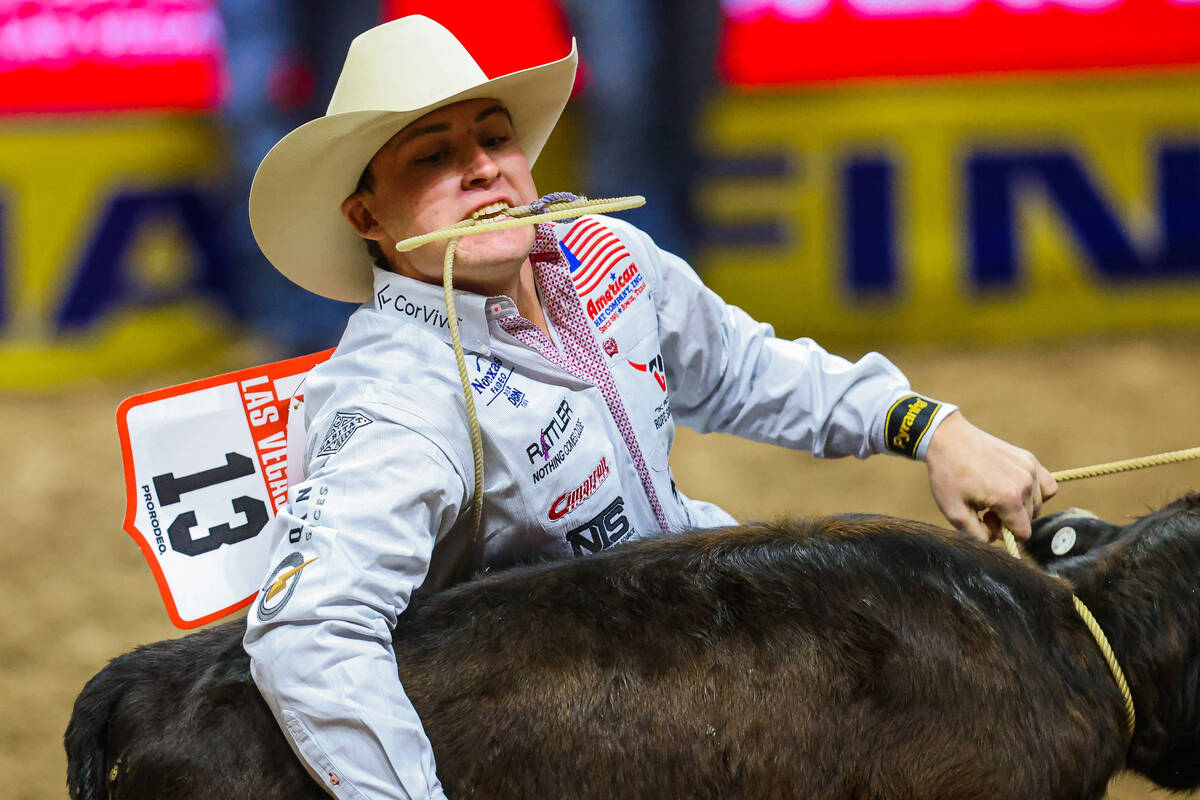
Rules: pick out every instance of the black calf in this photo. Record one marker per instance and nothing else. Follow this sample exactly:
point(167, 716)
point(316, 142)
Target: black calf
point(838, 658)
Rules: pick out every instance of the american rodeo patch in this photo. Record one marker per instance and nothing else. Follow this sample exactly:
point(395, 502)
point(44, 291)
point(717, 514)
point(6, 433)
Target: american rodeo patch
point(907, 423)
point(602, 270)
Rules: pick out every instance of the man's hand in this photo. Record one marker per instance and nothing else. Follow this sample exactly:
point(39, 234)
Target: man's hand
point(981, 482)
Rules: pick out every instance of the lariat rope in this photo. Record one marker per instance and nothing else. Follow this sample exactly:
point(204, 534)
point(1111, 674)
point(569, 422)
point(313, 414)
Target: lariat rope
point(555, 206)
point(1095, 471)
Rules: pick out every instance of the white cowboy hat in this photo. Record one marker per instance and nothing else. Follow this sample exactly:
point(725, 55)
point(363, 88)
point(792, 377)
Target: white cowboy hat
point(394, 74)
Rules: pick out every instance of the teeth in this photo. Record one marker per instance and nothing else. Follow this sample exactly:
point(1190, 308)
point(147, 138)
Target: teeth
point(491, 210)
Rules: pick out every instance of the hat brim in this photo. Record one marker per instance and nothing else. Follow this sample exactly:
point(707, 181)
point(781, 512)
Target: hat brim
point(297, 194)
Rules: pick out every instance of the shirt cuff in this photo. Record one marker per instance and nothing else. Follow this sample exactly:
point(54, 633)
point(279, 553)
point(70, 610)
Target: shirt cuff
point(908, 424)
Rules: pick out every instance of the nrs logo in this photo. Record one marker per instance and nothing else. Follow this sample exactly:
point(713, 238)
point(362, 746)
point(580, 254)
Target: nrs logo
point(601, 531)
point(569, 501)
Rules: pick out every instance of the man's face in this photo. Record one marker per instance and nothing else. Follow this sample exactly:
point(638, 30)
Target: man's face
point(438, 171)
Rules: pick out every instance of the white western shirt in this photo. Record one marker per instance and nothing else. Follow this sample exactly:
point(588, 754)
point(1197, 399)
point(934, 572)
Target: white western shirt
point(576, 436)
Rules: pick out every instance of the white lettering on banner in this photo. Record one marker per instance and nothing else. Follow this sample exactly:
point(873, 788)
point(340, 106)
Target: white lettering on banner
point(263, 411)
point(254, 402)
point(272, 454)
point(62, 32)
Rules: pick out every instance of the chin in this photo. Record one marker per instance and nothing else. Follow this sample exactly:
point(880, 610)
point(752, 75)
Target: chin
point(497, 247)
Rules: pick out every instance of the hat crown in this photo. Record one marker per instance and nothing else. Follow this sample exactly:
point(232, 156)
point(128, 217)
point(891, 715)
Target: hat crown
point(405, 64)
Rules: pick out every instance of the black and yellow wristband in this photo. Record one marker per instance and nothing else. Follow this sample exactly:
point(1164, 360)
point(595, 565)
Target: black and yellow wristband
point(908, 421)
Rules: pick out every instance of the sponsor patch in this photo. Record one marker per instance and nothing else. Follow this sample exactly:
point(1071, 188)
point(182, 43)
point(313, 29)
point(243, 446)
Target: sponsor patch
point(345, 423)
point(281, 585)
point(550, 434)
point(601, 531)
point(662, 413)
point(610, 346)
point(656, 368)
point(602, 270)
point(568, 501)
point(432, 316)
point(559, 457)
point(907, 423)
point(494, 380)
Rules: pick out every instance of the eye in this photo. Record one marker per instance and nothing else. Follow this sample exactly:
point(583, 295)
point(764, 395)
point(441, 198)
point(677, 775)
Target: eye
point(495, 141)
point(434, 158)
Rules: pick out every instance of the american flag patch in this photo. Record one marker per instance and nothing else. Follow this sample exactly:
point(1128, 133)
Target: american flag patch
point(592, 251)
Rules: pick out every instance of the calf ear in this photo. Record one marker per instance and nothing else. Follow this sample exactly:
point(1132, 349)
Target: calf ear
point(1067, 534)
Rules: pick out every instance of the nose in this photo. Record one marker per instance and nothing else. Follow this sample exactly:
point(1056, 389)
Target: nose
point(481, 170)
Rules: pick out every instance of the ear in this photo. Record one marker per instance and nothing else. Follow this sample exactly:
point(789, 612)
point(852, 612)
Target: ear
point(355, 210)
point(1068, 534)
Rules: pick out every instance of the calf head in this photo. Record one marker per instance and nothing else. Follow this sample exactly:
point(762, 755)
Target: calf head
point(1144, 588)
point(1067, 534)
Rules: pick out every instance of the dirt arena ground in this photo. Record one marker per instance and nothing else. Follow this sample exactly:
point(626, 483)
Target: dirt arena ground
point(77, 591)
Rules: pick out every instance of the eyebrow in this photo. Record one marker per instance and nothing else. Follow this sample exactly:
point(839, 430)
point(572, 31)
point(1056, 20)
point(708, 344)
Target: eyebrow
point(412, 133)
point(496, 109)
point(442, 127)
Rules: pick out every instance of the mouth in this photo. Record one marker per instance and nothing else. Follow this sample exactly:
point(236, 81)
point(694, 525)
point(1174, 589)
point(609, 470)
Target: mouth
point(491, 211)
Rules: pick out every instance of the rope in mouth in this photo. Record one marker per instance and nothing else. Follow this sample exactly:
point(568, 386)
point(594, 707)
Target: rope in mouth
point(498, 217)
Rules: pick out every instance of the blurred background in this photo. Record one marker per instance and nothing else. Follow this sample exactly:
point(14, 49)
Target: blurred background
point(1002, 195)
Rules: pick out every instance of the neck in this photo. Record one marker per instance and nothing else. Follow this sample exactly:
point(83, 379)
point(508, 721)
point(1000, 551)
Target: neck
point(525, 295)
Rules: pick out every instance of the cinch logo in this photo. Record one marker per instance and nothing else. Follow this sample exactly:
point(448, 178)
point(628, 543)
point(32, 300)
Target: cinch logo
point(655, 367)
point(907, 422)
point(602, 531)
point(568, 502)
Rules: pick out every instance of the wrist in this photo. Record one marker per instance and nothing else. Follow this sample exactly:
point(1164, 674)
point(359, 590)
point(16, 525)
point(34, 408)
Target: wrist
point(911, 422)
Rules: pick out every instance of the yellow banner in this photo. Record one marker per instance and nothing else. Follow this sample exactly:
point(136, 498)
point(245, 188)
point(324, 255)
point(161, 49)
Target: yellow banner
point(980, 210)
point(109, 261)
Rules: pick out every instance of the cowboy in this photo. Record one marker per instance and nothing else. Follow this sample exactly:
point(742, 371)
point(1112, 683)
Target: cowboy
point(584, 344)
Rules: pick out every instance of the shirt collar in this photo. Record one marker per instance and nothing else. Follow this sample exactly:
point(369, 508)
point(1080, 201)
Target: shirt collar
point(424, 304)
point(414, 302)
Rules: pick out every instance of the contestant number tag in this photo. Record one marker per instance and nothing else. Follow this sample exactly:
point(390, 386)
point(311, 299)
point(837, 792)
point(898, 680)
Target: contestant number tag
point(205, 470)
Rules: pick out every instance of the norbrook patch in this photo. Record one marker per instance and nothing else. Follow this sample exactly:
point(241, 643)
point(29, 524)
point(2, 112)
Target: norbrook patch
point(907, 422)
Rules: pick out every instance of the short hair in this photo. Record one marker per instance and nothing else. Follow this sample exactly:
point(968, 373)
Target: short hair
point(366, 183)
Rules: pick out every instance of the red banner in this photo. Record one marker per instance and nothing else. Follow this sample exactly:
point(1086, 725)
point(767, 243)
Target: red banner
point(103, 55)
point(781, 42)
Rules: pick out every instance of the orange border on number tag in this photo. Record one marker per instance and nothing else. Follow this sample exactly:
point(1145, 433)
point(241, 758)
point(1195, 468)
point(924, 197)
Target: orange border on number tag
point(273, 371)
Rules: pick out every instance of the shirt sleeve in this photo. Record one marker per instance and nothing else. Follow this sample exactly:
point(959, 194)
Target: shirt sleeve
point(347, 553)
point(730, 374)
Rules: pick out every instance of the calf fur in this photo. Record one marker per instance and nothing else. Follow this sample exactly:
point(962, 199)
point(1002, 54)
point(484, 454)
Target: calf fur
point(826, 659)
